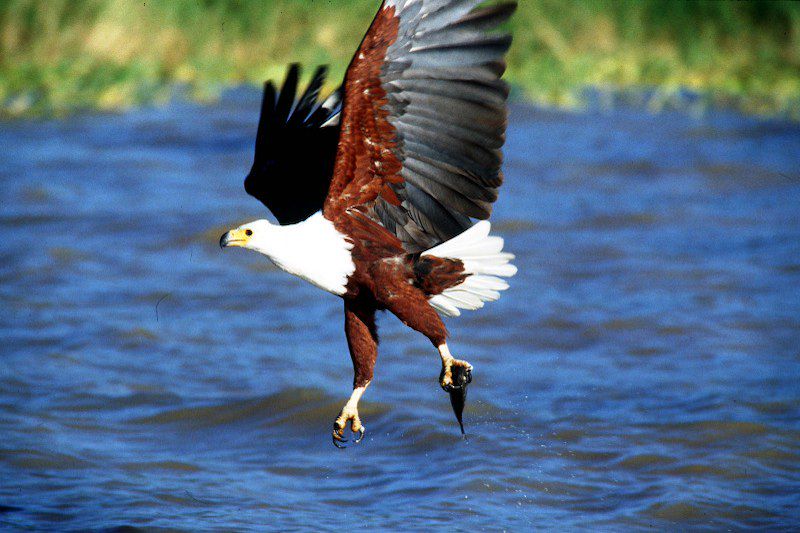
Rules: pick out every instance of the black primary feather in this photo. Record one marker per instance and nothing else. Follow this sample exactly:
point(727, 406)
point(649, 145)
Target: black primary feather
point(295, 148)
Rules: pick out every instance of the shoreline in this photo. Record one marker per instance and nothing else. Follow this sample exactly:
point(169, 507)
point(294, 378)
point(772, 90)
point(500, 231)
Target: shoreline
point(650, 100)
point(60, 57)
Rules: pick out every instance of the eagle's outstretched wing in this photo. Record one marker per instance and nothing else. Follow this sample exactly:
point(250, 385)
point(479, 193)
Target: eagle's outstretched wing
point(295, 148)
point(424, 119)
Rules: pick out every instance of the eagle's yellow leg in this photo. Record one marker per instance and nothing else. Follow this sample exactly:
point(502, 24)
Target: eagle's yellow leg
point(349, 413)
point(455, 373)
point(362, 339)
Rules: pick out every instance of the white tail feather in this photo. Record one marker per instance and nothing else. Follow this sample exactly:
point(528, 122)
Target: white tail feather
point(484, 261)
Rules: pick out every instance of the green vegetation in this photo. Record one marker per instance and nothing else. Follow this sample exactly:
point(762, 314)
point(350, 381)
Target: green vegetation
point(57, 56)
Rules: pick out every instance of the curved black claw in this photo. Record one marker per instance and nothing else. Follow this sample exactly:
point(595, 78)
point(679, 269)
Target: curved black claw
point(338, 437)
point(360, 435)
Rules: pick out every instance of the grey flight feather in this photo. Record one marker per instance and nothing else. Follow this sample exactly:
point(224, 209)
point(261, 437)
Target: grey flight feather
point(447, 102)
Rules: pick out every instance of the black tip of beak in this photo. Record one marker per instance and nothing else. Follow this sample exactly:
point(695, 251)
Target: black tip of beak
point(223, 241)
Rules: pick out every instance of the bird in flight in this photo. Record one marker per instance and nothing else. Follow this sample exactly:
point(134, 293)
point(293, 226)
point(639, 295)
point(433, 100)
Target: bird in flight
point(376, 189)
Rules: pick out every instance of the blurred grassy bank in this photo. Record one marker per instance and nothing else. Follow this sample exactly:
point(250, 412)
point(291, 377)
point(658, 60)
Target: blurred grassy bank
point(57, 56)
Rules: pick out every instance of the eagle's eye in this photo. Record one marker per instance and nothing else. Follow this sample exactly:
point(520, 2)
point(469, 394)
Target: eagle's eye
point(248, 232)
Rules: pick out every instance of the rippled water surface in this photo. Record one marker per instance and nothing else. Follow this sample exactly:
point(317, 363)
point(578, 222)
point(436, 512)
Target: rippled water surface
point(643, 371)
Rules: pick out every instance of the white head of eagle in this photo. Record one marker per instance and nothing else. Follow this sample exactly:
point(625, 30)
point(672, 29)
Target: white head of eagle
point(313, 249)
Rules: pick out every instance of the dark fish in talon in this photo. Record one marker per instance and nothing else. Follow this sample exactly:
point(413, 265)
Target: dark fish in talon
point(462, 376)
point(458, 398)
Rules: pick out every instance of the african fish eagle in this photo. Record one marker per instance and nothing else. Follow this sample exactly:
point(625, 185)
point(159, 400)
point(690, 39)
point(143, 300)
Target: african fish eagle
point(376, 188)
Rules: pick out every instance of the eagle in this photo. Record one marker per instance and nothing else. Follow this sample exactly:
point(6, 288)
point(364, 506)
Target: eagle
point(382, 190)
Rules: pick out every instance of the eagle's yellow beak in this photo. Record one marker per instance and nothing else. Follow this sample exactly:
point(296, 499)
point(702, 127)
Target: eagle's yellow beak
point(235, 237)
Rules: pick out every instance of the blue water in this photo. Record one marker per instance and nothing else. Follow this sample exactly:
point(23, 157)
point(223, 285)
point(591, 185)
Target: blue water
point(642, 372)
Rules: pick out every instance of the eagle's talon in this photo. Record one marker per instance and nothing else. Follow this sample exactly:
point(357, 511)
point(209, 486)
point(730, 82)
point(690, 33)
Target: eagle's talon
point(340, 425)
point(455, 375)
